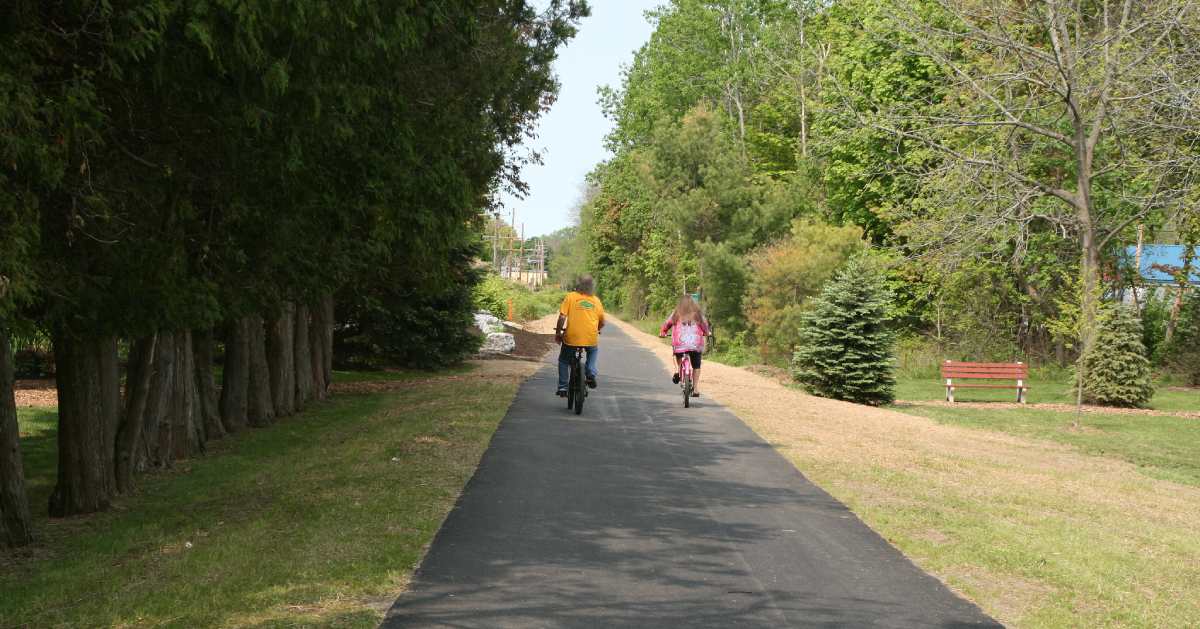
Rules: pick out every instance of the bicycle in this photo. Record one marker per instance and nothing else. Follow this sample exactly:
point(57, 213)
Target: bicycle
point(685, 378)
point(577, 386)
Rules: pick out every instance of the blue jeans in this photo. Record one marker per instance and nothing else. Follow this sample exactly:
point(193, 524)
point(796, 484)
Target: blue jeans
point(565, 355)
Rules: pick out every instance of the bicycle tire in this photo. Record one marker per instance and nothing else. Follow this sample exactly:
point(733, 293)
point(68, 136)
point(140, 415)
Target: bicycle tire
point(687, 392)
point(582, 392)
point(571, 388)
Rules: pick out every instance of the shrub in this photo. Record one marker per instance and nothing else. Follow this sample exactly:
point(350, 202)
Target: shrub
point(845, 348)
point(400, 324)
point(1116, 370)
point(735, 350)
point(1183, 352)
point(785, 274)
point(493, 294)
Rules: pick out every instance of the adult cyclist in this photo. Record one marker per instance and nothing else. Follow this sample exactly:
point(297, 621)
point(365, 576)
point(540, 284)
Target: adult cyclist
point(580, 318)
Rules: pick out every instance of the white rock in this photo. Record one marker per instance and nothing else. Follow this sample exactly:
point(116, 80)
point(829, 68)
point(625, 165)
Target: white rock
point(498, 343)
point(487, 323)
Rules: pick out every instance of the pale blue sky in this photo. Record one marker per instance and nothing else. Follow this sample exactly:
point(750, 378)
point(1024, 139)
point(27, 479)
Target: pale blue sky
point(571, 135)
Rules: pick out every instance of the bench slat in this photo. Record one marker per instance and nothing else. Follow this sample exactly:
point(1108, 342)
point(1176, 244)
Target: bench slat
point(992, 376)
point(986, 376)
point(966, 364)
point(990, 386)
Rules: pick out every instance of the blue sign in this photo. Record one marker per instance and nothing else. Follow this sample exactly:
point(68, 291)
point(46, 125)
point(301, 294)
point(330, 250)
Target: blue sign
point(1160, 263)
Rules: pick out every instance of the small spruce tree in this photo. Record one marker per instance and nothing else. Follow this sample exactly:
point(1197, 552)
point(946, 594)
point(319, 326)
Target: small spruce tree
point(1183, 352)
point(845, 346)
point(1117, 371)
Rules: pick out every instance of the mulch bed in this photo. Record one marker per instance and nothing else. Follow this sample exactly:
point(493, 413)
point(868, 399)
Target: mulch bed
point(530, 345)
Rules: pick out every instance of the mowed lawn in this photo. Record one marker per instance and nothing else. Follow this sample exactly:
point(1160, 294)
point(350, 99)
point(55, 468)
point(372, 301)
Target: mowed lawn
point(1048, 387)
point(1041, 523)
point(316, 521)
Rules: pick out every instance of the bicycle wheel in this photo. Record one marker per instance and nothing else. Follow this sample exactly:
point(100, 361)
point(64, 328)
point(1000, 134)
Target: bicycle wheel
point(687, 391)
point(581, 386)
point(571, 387)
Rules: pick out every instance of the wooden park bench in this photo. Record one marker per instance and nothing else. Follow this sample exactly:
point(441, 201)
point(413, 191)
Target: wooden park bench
point(952, 371)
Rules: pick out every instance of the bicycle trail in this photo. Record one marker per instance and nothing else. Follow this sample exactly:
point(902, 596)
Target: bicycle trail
point(640, 513)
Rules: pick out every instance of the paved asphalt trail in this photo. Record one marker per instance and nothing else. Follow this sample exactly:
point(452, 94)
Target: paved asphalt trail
point(640, 513)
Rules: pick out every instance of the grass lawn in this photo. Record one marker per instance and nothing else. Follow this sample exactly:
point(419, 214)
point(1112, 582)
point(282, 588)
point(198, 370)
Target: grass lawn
point(317, 520)
point(1048, 388)
point(1162, 447)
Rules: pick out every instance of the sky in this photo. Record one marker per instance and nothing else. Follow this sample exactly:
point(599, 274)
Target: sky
point(571, 135)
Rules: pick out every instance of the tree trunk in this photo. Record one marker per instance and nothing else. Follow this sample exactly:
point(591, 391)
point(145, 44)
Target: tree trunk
point(186, 423)
point(316, 345)
point(280, 347)
point(139, 376)
point(235, 378)
point(156, 443)
point(261, 409)
point(303, 375)
point(16, 525)
point(327, 321)
point(89, 392)
point(206, 386)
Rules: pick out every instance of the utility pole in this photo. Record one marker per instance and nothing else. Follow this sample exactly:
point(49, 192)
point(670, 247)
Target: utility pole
point(521, 257)
point(495, 224)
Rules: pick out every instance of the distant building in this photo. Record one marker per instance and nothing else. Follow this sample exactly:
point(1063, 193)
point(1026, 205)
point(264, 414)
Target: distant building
point(1158, 264)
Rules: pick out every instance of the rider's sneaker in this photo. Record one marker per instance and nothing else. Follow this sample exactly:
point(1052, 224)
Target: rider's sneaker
point(695, 394)
point(561, 393)
point(675, 378)
point(591, 382)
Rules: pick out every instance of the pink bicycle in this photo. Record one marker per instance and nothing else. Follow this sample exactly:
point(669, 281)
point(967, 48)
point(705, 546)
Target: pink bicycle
point(685, 378)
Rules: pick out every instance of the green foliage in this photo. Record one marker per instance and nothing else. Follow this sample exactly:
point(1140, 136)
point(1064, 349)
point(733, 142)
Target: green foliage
point(736, 350)
point(406, 324)
point(845, 348)
point(726, 277)
point(1117, 371)
point(784, 275)
point(1183, 352)
point(493, 294)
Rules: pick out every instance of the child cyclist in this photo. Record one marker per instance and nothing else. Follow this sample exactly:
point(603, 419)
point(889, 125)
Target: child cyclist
point(687, 338)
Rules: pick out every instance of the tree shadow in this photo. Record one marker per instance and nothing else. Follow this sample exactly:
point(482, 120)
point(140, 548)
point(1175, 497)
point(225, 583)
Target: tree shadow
point(642, 513)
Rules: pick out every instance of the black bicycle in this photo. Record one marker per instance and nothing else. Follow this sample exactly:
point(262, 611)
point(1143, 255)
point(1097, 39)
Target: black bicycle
point(577, 386)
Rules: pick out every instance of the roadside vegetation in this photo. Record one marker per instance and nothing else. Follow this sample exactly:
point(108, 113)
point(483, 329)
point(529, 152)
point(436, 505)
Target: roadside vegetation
point(315, 521)
point(186, 186)
point(494, 294)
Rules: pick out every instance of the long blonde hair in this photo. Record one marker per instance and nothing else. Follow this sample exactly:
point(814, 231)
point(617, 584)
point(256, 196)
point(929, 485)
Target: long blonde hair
point(687, 311)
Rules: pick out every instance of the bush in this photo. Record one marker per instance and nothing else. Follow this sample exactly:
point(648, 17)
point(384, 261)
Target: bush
point(1116, 370)
point(400, 324)
point(1183, 352)
point(494, 292)
point(785, 274)
point(845, 348)
point(736, 351)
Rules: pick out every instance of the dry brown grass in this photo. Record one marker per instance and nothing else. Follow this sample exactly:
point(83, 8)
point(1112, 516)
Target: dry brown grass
point(1037, 533)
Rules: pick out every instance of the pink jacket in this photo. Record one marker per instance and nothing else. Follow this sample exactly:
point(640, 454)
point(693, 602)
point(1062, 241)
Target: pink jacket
point(686, 337)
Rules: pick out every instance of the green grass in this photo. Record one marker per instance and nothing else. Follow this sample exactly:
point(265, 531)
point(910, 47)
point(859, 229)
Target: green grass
point(317, 520)
point(1050, 388)
point(395, 375)
point(1167, 448)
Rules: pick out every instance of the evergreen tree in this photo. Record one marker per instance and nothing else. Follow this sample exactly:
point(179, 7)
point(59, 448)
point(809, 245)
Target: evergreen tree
point(845, 348)
point(1117, 372)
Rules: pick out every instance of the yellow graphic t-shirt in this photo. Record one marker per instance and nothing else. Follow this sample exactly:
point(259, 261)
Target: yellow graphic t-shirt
point(584, 314)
